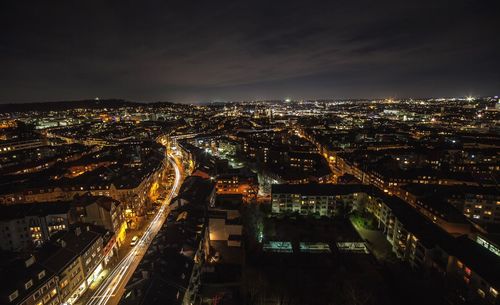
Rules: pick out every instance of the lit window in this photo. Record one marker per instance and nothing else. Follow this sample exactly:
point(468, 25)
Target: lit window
point(467, 271)
point(481, 293)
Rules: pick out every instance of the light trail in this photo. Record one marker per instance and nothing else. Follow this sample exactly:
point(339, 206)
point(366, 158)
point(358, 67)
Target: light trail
point(116, 277)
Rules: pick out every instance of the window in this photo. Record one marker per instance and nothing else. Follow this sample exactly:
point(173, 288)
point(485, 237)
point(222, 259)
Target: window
point(28, 284)
point(481, 293)
point(64, 283)
point(13, 296)
point(41, 274)
point(467, 271)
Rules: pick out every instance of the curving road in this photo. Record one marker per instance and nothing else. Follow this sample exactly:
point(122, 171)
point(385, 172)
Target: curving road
point(112, 288)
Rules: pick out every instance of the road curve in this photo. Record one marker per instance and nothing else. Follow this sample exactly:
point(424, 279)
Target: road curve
point(112, 288)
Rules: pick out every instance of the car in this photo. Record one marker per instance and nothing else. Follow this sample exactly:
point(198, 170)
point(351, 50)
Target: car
point(134, 241)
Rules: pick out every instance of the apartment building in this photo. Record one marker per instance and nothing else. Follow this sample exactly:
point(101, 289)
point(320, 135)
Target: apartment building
point(28, 283)
point(24, 226)
point(316, 199)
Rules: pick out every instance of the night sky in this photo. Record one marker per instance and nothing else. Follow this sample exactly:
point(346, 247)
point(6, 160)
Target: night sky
point(193, 51)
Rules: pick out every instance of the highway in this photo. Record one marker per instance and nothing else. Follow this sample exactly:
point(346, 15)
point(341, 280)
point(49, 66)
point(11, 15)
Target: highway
point(113, 287)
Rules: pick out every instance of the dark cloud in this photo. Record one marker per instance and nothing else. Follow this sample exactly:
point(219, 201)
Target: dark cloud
point(226, 50)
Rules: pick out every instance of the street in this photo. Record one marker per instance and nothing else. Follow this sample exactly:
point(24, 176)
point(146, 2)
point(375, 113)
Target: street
point(112, 287)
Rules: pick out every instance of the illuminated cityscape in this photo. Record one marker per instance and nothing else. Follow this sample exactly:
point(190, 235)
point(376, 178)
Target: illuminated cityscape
point(253, 153)
point(125, 203)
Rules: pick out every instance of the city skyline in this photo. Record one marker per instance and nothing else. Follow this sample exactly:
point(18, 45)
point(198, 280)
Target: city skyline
point(118, 203)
